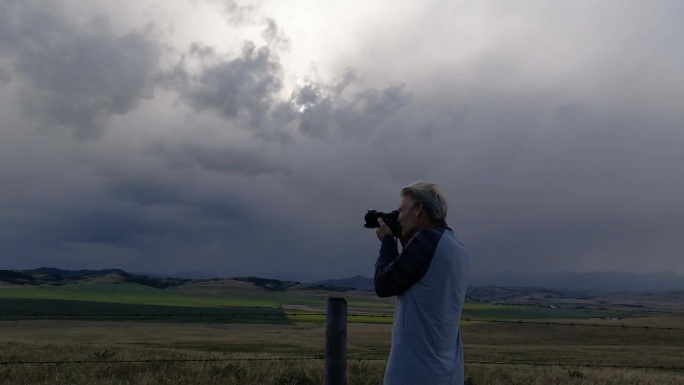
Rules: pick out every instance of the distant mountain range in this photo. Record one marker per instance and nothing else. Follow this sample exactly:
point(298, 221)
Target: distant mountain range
point(59, 277)
point(579, 290)
point(570, 281)
point(598, 281)
point(595, 281)
point(358, 282)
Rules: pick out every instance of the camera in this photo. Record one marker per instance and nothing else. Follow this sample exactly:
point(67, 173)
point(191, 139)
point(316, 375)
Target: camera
point(390, 219)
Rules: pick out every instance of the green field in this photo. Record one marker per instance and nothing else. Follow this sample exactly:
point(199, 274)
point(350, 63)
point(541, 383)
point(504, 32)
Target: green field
point(133, 294)
point(136, 302)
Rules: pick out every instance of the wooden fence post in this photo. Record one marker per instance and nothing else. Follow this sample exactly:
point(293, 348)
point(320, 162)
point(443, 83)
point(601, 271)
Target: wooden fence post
point(336, 342)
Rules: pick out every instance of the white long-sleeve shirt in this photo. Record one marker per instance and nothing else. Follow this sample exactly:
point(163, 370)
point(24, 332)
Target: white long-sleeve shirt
point(429, 278)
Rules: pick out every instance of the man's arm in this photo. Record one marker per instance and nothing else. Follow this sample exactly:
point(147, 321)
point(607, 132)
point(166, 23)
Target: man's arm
point(395, 272)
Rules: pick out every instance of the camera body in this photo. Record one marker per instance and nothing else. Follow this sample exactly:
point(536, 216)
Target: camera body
point(390, 219)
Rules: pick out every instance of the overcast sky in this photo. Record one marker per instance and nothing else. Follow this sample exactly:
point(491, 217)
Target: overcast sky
point(250, 138)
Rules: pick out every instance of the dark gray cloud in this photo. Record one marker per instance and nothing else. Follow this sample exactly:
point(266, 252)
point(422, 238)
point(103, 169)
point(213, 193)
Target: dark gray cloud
point(369, 110)
point(4, 76)
point(348, 109)
point(76, 76)
point(242, 87)
point(549, 162)
point(593, 193)
point(226, 159)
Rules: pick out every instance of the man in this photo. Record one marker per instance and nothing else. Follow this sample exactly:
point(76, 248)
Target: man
point(429, 278)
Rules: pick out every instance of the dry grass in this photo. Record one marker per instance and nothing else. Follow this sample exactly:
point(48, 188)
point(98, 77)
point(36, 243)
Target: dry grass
point(121, 341)
point(577, 345)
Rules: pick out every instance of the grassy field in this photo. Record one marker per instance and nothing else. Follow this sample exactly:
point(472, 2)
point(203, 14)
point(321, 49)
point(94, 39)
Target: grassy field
point(135, 294)
point(239, 349)
point(270, 338)
point(233, 304)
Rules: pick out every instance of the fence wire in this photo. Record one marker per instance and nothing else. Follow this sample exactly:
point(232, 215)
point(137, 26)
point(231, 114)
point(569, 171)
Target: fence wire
point(284, 316)
point(357, 359)
point(154, 361)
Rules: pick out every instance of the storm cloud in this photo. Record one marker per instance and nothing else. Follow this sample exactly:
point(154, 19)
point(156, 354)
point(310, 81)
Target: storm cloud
point(241, 87)
point(75, 76)
point(555, 130)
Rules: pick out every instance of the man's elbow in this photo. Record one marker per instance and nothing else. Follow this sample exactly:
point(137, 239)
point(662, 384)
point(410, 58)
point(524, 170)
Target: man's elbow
point(383, 294)
point(383, 291)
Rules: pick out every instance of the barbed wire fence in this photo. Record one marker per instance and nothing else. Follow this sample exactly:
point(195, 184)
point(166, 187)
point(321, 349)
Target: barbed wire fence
point(280, 315)
point(284, 316)
point(228, 359)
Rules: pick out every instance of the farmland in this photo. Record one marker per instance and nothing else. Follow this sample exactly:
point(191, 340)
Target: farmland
point(136, 302)
point(238, 334)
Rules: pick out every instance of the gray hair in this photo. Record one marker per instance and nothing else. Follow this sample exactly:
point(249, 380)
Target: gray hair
point(432, 198)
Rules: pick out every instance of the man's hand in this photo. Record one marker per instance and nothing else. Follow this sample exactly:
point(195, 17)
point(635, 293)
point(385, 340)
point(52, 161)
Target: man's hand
point(382, 230)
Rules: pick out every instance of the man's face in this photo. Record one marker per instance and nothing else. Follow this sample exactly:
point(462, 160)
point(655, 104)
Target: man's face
point(408, 215)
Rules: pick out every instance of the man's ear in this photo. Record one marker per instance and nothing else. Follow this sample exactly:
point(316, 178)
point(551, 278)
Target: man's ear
point(419, 210)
